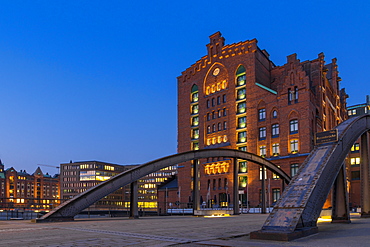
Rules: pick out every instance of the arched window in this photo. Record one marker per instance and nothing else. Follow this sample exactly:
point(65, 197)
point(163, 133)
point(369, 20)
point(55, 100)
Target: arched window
point(240, 76)
point(194, 93)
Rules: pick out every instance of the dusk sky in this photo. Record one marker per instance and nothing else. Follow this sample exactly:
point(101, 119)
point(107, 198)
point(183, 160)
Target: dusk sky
point(96, 80)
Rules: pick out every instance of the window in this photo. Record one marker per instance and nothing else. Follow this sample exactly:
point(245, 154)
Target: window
point(219, 126)
point(208, 104)
point(195, 121)
point(214, 128)
point(195, 133)
point(224, 98)
point(208, 129)
point(275, 130)
point(295, 94)
point(208, 116)
point(195, 145)
point(241, 94)
point(214, 115)
point(293, 126)
point(293, 169)
point(219, 113)
point(275, 149)
point(242, 122)
point(355, 148)
point(241, 107)
point(355, 175)
point(352, 112)
point(355, 161)
point(264, 174)
point(225, 113)
point(218, 100)
point(262, 133)
point(243, 148)
point(274, 114)
point(242, 136)
point(290, 96)
point(262, 114)
point(195, 109)
point(243, 166)
point(275, 195)
point(263, 151)
point(294, 146)
point(225, 125)
point(243, 182)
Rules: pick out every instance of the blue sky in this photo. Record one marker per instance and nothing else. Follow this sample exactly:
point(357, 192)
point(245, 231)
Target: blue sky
point(96, 80)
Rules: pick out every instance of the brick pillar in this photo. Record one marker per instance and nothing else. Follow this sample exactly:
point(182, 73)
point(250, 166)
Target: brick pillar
point(340, 210)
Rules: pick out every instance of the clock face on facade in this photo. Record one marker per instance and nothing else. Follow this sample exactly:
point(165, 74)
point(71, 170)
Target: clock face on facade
point(216, 71)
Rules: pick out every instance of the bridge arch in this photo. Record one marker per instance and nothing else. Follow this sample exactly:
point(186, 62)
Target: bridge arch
point(295, 214)
point(75, 205)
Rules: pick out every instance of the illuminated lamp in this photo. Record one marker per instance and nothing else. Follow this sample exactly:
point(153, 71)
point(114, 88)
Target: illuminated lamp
point(214, 140)
point(219, 139)
point(218, 86)
point(213, 88)
point(208, 142)
point(225, 138)
point(208, 90)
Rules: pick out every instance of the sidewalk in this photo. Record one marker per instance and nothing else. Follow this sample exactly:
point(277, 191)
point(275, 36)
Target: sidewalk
point(172, 231)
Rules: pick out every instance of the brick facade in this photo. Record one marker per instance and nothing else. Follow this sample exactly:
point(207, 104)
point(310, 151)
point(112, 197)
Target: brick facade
point(236, 97)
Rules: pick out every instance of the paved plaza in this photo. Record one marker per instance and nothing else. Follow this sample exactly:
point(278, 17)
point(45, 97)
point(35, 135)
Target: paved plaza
point(172, 231)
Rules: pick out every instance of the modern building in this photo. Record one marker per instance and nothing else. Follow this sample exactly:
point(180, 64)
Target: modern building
point(354, 157)
point(76, 177)
point(21, 190)
point(236, 97)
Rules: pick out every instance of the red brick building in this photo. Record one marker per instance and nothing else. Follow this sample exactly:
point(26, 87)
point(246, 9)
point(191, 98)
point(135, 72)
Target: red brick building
point(236, 97)
point(19, 189)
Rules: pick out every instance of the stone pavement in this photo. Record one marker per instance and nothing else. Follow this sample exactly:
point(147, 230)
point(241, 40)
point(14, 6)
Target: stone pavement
point(172, 231)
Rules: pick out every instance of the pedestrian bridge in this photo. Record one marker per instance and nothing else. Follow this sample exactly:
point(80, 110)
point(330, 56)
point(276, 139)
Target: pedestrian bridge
point(67, 210)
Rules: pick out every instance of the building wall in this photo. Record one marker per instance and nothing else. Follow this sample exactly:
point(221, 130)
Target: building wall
point(307, 92)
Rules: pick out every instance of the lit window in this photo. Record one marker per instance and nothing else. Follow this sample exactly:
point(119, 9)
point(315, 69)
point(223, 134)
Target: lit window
point(294, 146)
point(240, 80)
point(214, 128)
point(241, 107)
point(243, 166)
point(195, 133)
point(219, 113)
point(355, 161)
point(293, 169)
point(195, 121)
point(195, 145)
point(275, 195)
point(194, 97)
point(242, 136)
point(275, 130)
point(352, 112)
point(263, 151)
point(208, 129)
point(243, 148)
point(242, 122)
point(264, 174)
point(241, 94)
point(293, 126)
point(195, 109)
point(275, 149)
point(262, 114)
point(243, 181)
point(262, 133)
point(355, 147)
